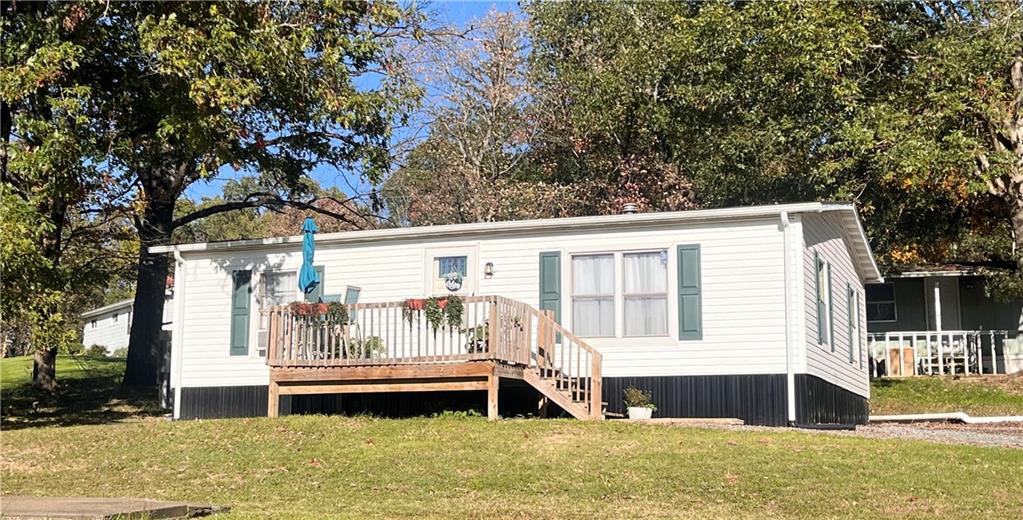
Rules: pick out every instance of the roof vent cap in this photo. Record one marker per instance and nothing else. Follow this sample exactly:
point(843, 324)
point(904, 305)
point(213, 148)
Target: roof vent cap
point(630, 208)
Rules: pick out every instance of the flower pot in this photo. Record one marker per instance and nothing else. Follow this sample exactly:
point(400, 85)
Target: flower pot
point(640, 412)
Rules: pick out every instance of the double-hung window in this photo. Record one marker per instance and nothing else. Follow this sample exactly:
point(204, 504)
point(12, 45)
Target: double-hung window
point(278, 288)
point(593, 295)
point(645, 290)
point(824, 302)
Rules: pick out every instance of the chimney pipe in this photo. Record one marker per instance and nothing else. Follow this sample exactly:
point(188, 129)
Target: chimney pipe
point(629, 208)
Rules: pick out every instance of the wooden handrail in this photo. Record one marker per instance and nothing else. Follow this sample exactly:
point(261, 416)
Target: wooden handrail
point(491, 328)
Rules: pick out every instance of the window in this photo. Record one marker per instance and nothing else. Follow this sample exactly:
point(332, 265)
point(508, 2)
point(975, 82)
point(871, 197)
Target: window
point(854, 333)
point(593, 295)
point(450, 273)
point(646, 293)
point(824, 316)
point(278, 288)
point(881, 303)
point(93, 324)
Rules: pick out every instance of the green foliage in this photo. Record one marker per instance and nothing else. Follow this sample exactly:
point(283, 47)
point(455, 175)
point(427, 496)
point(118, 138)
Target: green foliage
point(453, 311)
point(364, 347)
point(636, 398)
point(95, 351)
point(434, 313)
point(904, 108)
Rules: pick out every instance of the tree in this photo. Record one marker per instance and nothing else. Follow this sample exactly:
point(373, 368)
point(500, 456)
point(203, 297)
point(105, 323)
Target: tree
point(952, 123)
point(181, 91)
point(910, 109)
point(479, 121)
point(49, 257)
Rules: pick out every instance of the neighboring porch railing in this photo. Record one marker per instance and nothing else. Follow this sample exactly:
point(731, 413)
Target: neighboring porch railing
point(911, 353)
point(490, 328)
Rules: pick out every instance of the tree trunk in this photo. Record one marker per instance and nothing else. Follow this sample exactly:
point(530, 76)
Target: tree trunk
point(1016, 218)
point(44, 370)
point(144, 348)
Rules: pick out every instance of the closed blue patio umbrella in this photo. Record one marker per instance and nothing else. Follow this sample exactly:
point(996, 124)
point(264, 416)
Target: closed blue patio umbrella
point(307, 279)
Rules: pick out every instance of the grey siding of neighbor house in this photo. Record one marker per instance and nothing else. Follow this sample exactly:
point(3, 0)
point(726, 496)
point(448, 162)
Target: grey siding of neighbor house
point(976, 310)
point(910, 307)
point(980, 312)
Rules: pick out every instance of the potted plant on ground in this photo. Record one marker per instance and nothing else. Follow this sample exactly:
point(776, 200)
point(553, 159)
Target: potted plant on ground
point(639, 404)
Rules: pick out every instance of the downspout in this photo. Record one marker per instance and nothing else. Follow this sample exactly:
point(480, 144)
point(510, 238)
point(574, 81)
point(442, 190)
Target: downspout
point(790, 364)
point(177, 340)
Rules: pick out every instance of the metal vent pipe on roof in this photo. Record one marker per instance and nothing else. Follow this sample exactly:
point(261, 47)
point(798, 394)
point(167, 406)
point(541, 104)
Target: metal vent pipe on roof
point(630, 208)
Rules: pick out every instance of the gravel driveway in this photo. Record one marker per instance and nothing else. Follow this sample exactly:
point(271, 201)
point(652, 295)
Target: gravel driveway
point(1005, 435)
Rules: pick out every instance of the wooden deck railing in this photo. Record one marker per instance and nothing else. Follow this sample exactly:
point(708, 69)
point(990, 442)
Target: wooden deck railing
point(491, 328)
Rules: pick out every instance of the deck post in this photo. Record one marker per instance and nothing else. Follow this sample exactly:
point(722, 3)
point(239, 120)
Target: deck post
point(493, 381)
point(273, 400)
point(596, 387)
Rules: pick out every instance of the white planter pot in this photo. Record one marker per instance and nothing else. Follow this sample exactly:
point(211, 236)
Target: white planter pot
point(640, 412)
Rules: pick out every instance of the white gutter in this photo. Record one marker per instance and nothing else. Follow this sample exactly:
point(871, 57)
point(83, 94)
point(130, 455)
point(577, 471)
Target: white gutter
point(953, 416)
point(177, 340)
point(790, 349)
point(513, 226)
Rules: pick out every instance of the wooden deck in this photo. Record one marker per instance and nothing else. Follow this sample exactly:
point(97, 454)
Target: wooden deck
point(388, 347)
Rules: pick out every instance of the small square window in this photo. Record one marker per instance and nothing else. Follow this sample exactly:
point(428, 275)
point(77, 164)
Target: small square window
point(881, 303)
point(451, 272)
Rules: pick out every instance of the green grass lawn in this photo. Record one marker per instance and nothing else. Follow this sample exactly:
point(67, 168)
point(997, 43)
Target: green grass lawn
point(316, 466)
point(979, 396)
point(88, 441)
point(88, 393)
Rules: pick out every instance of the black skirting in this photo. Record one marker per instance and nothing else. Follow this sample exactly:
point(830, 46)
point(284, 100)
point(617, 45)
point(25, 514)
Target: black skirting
point(755, 398)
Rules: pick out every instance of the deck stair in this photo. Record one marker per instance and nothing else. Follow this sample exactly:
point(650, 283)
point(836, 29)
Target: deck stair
point(391, 346)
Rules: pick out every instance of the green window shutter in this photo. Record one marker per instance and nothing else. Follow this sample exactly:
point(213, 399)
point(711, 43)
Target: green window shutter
point(831, 312)
point(850, 304)
point(818, 268)
point(318, 291)
point(690, 305)
point(859, 327)
point(242, 288)
point(550, 283)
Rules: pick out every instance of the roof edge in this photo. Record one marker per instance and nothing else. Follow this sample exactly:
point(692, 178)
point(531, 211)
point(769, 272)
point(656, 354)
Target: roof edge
point(449, 230)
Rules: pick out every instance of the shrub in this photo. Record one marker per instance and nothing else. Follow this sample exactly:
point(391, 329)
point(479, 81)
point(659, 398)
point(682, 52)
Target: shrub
point(636, 398)
point(120, 353)
point(96, 351)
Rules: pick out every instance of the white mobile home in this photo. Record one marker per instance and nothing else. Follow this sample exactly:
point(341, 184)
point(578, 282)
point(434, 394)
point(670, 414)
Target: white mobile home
point(110, 326)
point(752, 312)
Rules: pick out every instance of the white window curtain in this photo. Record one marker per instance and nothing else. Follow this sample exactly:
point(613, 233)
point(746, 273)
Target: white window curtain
point(593, 289)
point(646, 293)
point(280, 288)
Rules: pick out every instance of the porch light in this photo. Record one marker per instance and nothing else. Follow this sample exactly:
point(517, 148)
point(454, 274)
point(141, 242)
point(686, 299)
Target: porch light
point(488, 269)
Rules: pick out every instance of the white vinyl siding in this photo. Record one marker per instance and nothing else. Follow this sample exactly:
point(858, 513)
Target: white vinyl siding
point(742, 293)
point(112, 328)
point(825, 239)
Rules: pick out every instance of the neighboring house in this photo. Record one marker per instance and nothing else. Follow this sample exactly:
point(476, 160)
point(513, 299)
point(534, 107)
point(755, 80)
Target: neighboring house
point(109, 326)
point(915, 313)
point(750, 312)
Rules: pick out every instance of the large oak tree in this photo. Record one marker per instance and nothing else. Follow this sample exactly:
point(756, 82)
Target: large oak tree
point(179, 92)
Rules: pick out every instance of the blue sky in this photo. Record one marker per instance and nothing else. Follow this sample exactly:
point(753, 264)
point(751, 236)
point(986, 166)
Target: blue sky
point(453, 13)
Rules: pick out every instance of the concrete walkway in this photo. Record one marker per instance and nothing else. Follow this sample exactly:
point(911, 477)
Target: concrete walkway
point(99, 508)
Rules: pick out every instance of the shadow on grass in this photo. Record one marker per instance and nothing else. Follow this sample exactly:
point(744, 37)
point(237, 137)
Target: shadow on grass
point(90, 395)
